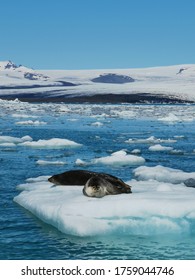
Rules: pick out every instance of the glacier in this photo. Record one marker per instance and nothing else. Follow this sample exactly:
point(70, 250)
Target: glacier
point(156, 84)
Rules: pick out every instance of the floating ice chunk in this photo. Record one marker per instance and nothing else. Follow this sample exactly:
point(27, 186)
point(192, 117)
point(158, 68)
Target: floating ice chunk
point(7, 145)
point(124, 114)
point(152, 209)
point(136, 151)
point(159, 148)
point(176, 152)
point(120, 153)
point(162, 174)
point(54, 143)
point(45, 162)
point(30, 122)
point(81, 162)
point(14, 140)
point(150, 140)
point(119, 158)
point(73, 120)
point(172, 118)
point(23, 116)
point(26, 138)
point(179, 136)
point(98, 124)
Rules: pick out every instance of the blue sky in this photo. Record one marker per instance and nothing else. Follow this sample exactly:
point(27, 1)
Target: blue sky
point(89, 34)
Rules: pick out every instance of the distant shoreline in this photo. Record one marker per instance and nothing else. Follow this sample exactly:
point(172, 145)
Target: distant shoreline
point(98, 98)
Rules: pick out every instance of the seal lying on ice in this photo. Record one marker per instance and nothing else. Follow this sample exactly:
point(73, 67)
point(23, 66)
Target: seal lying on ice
point(95, 184)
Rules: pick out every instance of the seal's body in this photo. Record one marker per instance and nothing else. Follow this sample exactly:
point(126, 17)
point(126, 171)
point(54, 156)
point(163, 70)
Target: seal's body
point(95, 184)
point(72, 177)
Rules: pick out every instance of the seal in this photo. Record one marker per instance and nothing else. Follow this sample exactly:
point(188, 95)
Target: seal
point(99, 187)
point(82, 177)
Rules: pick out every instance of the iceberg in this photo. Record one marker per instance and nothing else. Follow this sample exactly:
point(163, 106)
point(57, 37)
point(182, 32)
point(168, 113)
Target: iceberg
point(54, 143)
point(150, 140)
point(46, 162)
point(27, 141)
point(159, 148)
point(9, 141)
point(154, 208)
point(162, 174)
point(172, 118)
point(98, 124)
point(30, 122)
point(120, 158)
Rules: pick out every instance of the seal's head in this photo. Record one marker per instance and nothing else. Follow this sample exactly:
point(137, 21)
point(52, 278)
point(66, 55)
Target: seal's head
point(54, 180)
point(95, 187)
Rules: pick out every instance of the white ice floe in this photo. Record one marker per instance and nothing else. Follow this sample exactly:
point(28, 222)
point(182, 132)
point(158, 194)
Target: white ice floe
point(98, 124)
point(179, 136)
point(80, 162)
point(183, 113)
point(149, 140)
point(73, 120)
point(162, 174)
point(136, 151)
point(7, 145)
point(14, 140)
point(45, 162)
point(176, 152)
point(154, 208)
point(27, 141)
point(30, 122)
point(172, 118)
point(124, 114)
point(23, 116)
point(54, 143)
point(119, 158)
point(159, 148)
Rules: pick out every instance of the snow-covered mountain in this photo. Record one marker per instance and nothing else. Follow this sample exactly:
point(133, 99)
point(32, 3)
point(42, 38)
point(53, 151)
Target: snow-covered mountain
point(157, 84)
point(7, 65)
point(11, 70)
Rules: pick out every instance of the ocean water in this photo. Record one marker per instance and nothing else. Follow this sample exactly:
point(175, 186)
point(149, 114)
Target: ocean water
point(101, 130)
